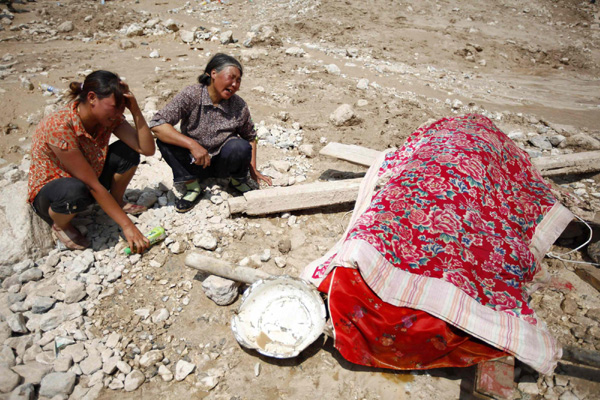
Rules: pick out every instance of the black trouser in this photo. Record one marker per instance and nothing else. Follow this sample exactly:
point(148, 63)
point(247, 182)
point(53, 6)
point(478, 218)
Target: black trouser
point(70, 195)
point(232, 161)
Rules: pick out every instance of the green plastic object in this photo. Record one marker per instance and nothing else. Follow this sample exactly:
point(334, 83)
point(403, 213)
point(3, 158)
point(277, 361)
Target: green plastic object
point(155, 235)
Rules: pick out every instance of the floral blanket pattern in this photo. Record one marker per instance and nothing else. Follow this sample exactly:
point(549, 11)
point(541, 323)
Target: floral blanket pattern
point(459, 209)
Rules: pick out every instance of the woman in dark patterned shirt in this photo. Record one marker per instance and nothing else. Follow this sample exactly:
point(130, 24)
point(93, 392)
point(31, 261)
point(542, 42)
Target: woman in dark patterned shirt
point(217, 137)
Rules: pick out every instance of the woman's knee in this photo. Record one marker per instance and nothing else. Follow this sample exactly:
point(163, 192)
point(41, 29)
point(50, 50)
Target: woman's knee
point(237, 149)
point(127, 157)
point(66, 196)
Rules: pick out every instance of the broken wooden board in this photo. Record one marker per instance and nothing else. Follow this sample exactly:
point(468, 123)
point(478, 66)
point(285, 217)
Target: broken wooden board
point(301, 197)
point(589, 274)
point(577, 163)
point(494, 379)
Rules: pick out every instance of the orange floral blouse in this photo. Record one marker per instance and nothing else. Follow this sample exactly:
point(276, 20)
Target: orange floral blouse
point(64, 129)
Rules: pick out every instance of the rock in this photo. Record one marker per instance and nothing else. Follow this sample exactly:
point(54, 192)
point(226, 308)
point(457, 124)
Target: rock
point(8, 379)
point(569, 306)
point(593, 250)
point(307, 150)
point(59, 314)
point(165, 373)
point(126, 44)
point(541, 142)
point(160, 315)
point(209, 382)
point(91, 364)
point(123, 367)
point(186, 36)
point(171, 25)
point(23, 392)
point(42, 304)
point(333, 69)
point(113, 340)
point(583, 142)
point(65, 27)
point(220, 290)
point(516, 135)
point(556, 140)
point(205, 240)
point(147, 199)
point(151, 358)
point(75, 351)
point(16, 322)
point(280, 262)
point(33, 274)
point(266, 255)
point(528, 387)
point(134, 30)
point(81, 264)
point(295, 51)
point(57, 383)
point(32, 372)
point(363, 84)
point(352, 52)
point(284, 246)
point(457, 104)
point(23, 266)
point(110, 365)
point(134, 380)
point(226, 37)
point(63, 363)
point(281, 165)
point(344, 116)
point(183, 369)
point(74, 291)
point(7, 357)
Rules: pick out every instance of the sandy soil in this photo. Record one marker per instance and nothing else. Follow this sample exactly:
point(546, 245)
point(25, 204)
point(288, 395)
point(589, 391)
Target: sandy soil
point(527, 64)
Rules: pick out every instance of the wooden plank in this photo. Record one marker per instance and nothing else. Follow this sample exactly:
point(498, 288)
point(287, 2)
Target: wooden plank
point(576, 163)
point(581, 356)
point(563, 164)
point(301, 197)
point(351, 153)
point(589, 274)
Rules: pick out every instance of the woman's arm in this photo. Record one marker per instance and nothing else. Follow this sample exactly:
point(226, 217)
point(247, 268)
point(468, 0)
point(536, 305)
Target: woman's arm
point(254, 173)
point(139, 138)
point(76, 165)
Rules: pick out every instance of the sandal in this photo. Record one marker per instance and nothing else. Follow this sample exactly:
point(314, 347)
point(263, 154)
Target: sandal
point(240, 185)
point(71, 238)
point(134, 209)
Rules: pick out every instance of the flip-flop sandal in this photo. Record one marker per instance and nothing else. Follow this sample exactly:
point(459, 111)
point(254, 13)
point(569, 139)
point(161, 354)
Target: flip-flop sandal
point(240, 186)
point(134, 209)
point(72, 240)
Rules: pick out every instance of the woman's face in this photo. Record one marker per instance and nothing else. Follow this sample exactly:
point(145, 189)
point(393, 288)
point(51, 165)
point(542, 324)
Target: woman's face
point(226, 82)
point(106, 110)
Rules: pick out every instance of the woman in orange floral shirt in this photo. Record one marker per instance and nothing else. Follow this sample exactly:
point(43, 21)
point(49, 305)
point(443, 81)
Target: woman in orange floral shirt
point(73, 165)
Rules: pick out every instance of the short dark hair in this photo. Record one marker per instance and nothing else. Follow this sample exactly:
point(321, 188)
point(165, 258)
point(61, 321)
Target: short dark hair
point(218, 62)
point(103, 83)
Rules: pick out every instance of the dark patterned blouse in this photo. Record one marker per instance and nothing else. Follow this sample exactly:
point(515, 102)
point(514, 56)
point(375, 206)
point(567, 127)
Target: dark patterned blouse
point(211, 126)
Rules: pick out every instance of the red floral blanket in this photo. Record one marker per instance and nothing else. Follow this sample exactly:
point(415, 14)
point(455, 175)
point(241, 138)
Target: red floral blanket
point(457, 227)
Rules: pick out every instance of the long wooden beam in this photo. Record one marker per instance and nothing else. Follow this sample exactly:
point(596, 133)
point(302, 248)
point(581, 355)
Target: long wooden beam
point(576, 163)
point(301, 197)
